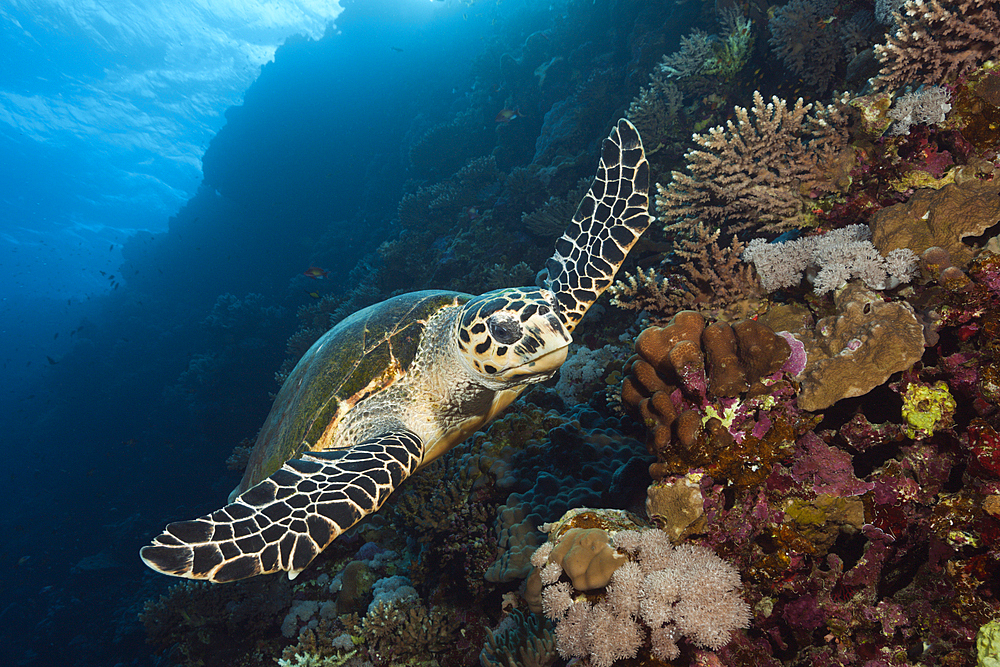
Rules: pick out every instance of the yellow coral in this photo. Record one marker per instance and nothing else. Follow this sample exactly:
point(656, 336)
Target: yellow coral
point(927, 409)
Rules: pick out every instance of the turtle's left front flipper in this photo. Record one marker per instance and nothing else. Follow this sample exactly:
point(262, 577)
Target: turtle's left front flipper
point(283, 522)
point(610, 219)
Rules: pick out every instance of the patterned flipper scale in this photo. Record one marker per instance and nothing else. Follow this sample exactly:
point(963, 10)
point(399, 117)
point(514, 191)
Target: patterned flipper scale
point(283, 522)
point(610, 219)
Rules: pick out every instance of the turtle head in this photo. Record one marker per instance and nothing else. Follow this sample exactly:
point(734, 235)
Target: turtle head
point(513, 336)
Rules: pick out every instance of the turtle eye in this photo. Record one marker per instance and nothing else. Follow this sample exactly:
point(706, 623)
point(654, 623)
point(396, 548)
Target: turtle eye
point(504, 328)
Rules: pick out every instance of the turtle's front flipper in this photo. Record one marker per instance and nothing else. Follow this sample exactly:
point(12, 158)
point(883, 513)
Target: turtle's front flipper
point(608, 222)
point(283, 522)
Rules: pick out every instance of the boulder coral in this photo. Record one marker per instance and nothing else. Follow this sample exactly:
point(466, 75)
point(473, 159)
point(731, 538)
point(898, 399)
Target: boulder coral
point(708, 395)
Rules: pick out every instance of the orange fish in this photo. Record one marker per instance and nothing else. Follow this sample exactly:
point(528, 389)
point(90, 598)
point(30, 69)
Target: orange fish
point(315, 273)
point(508, 115)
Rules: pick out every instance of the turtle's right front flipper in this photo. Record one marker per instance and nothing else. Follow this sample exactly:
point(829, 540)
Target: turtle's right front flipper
point(283, 522)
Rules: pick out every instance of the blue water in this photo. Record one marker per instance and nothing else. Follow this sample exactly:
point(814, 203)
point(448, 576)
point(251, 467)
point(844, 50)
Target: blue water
point(153, 160)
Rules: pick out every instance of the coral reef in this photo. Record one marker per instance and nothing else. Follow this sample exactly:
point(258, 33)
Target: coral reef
point(820, 460)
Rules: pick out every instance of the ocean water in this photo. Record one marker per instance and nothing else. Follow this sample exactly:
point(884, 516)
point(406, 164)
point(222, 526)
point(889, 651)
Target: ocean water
point(191, 193)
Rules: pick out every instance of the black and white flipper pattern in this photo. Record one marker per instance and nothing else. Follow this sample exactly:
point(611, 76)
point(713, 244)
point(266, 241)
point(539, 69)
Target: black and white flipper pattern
point(283, 522)
point(612, 216)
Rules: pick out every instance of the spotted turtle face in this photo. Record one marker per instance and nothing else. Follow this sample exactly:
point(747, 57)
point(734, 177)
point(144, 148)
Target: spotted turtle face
point(513, 336)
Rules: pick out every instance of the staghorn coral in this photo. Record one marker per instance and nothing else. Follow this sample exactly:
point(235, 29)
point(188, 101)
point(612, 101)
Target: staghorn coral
point(702, 54)
point(802, 38)
point(656, 112)
point(937, 41)
point(550, 219)
point(395, 631)
point(438, 207)
point(713, 279)
point(204, 624)
point(755, 172)
point(445, 147)
point(691, 59)
point(521, 640)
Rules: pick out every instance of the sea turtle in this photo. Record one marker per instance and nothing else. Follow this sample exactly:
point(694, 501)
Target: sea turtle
point(397, 384)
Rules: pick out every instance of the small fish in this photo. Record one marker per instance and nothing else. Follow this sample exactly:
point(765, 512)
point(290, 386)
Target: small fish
point(111, 247)
point(52, 362)
point(315, 273)
point(314, 295)
point(55, 335)
point(396, 49)
point(22, 560)
point(507, 115)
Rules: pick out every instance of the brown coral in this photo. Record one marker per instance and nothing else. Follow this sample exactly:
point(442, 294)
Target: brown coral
point(939, 218)
point(857, 349)
point(680, 372)
point(753, 172)
point(938, 41)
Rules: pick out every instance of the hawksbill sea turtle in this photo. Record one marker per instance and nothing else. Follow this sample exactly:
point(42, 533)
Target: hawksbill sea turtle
point(397, 384)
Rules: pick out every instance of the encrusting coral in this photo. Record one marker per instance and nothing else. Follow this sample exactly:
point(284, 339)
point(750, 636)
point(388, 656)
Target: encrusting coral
point(858, 348)
point(940, 218)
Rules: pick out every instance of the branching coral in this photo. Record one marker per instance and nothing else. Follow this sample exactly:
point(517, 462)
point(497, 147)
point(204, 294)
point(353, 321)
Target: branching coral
point(713, 279)
point(550, 219)
point(812, 41)
point(656, 111)
point(521, 640)
point(755, 172)
point(938, 41)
